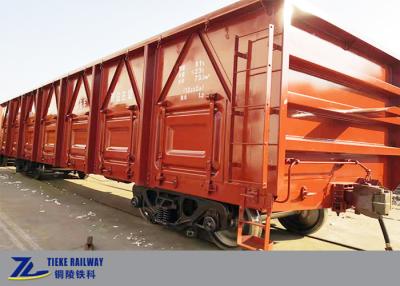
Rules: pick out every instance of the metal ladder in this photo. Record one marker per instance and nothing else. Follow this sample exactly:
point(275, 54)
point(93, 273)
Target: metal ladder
point(262, 241)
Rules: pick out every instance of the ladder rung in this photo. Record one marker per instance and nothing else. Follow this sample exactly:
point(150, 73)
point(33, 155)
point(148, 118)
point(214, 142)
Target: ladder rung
point(253, 243)
point(241, 55)
point(241, 113)
point(248, 143)
point(251, 69)
point(277, 47)
point(238, 113)
point(258, 73)
point(236, 165)
point(248, 247)
point(259, 106)
point(263, 72)
point(252, 223)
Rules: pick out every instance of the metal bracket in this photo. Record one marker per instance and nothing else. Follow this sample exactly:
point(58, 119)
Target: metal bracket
point(162, 179)
point(339, 204)
point(214, 97)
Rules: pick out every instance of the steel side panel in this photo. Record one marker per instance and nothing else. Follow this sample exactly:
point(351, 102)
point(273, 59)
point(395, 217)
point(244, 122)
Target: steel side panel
point(182, 149)
point(12, 135)
point(29, 133)
point(48, 148)
point(29, 127)
point(117, 145)
point(120, 103)
point(3, 128)
point(47, 141)
point(77, 134)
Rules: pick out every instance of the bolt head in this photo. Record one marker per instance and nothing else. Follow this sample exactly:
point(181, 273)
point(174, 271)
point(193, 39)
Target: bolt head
point(135, 202)
point(191, 232)
point(209, 224)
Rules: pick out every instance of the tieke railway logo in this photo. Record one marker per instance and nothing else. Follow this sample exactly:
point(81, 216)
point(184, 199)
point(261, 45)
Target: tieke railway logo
point(24, 270)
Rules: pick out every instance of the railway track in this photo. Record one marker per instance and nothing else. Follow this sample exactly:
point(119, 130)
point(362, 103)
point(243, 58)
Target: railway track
point(350, 247)
point(105, 184)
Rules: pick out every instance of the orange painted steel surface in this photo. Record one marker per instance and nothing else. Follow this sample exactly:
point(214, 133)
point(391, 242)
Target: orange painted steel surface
point(50, 98)
point(10, 128)
point(119, 112)
point(76, 121)
point(3, 127)
point(14, 127)
point(30, 126)
point(245, 106)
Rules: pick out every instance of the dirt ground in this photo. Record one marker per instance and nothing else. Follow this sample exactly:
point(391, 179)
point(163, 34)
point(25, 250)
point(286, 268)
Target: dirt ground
point(59, 214)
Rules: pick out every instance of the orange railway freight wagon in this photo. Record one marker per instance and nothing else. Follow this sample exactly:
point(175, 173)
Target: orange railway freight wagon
point(10, 130)
point(3, 130)
point(256, 111)
point(29, 131)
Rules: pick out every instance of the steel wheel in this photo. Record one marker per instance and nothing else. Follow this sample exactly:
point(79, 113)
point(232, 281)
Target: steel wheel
point(37, 173)
point(146, 215)
point(226, 239)
point(82, 175)
point(306, 222)
point(19, 167)
point(3, 161)
point(27, 168)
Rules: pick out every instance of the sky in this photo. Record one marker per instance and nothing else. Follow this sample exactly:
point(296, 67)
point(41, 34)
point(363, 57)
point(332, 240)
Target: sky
point(43, 40)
